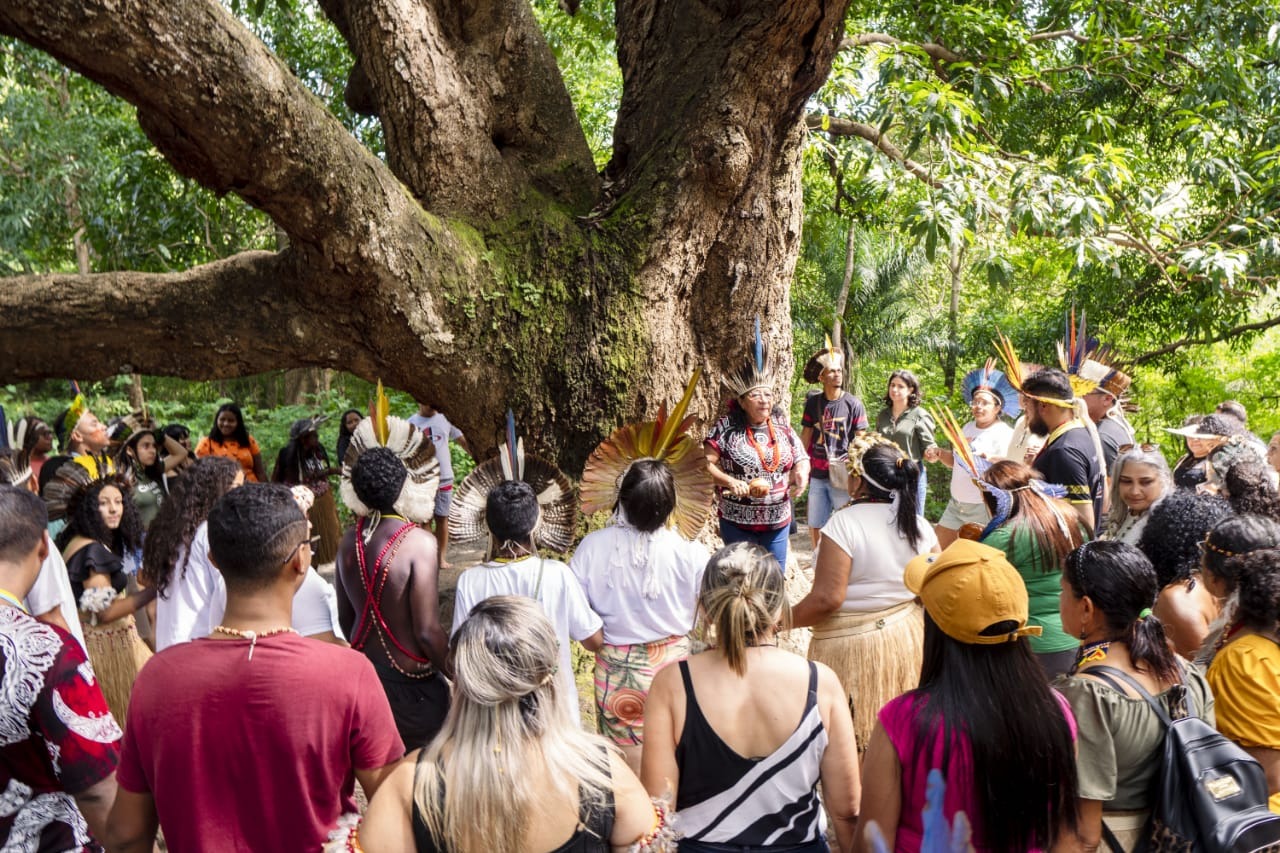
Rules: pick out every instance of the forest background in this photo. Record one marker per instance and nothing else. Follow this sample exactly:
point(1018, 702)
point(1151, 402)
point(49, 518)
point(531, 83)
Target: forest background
point(966, 169)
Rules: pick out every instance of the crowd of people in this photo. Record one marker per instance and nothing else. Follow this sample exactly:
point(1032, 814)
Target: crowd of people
point(175, 665)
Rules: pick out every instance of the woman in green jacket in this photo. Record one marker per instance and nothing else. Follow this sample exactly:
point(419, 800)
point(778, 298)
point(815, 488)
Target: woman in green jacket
point(1036, 536)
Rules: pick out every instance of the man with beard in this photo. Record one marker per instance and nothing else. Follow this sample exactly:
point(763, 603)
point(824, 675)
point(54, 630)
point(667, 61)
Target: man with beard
point(1071, 457)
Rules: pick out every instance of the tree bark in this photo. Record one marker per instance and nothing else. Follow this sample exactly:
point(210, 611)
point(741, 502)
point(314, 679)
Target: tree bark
point(484, 263)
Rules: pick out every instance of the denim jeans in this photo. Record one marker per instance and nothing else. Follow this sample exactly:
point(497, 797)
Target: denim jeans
point(771, 540)
point(824, 499)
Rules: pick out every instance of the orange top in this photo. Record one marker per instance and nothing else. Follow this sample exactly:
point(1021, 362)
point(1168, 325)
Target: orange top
point(232, 449)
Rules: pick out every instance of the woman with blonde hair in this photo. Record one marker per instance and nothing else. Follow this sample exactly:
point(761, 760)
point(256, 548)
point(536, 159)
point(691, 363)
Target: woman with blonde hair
point(1142, 479)
point(510, 771)
point(722, 730)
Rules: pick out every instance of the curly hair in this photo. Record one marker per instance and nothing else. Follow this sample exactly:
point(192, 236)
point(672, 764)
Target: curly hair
point(1249, 490)
point(1176, 527)
point(186, 508)
point(1259, 600)
point(84, 518)
point(1231, 539)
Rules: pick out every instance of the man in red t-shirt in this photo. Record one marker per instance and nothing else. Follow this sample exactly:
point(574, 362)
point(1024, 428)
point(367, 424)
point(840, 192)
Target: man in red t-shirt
point(58, 742)
point(252, 738)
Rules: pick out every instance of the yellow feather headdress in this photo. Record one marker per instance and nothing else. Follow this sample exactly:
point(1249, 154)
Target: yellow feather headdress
point(666, 440)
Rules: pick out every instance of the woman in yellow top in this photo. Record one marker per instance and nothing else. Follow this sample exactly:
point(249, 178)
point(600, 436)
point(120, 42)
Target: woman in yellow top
point(230, 438)
point(1245, 675)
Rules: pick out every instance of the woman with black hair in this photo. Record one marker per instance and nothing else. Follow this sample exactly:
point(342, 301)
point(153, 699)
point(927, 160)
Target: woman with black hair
point(1248, 488)
point(303, 462)
point(1108, 591)
point(642, 578)
point(175, 559)
point(346, 426)
point(229, 437)
point(102, 528)
point(182, 435)
point(1171, 541)
point(1245, 675)
point(983, 715)
point(1233, 536)
point(139, 459)
point(907, 423)
point(867, 626)
point(1036, 538)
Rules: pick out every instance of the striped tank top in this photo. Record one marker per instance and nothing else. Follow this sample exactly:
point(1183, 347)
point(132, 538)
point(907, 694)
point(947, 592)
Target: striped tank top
point(764, 803)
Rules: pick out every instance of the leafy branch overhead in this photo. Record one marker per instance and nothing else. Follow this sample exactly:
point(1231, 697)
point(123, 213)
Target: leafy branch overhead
point(1139, 139)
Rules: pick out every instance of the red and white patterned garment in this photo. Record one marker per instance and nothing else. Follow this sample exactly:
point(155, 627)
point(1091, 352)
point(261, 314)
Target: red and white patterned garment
point(768, 452)
point(57, 737)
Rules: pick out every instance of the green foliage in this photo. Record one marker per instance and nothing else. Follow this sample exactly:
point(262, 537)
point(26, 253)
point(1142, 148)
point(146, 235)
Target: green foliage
point(74, 161)
point(583, 44)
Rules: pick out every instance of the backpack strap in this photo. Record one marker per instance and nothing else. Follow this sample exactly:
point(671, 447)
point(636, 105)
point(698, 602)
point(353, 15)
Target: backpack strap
point(1109, 674)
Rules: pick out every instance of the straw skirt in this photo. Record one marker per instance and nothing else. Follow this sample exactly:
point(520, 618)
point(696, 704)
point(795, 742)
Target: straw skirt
point(876, 655)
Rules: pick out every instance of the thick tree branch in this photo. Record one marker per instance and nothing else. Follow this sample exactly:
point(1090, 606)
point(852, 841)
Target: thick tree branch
point(1224, 336)
point(217, 320)
point(465, 91)
point(845, 127)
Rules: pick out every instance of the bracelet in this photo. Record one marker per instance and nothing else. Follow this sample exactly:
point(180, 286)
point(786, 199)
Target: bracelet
point(663, 836)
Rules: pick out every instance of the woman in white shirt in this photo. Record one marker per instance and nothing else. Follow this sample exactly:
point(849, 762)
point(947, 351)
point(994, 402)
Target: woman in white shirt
point(867, 626)
point(642, 578)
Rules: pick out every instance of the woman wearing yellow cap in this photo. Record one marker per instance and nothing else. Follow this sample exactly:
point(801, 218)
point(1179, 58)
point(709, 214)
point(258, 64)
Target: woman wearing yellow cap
point(983, 715)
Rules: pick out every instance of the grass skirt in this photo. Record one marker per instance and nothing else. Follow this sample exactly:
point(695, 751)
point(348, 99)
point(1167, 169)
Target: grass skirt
point(117, 654)
point(324, 523)
point(876, 655)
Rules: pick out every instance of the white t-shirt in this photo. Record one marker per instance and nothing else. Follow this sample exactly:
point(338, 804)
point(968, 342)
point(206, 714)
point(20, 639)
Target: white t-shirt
point(441, 432)
point(53, 589)
point(992, 443)
point(315, 607)
point(197, 599)
point(868, 534)
point(636, 606)
point(559, 594)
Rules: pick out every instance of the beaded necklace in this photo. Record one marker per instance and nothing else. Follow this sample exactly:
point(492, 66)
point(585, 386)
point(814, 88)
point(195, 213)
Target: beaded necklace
point(773, 446)
point(1091, 653)
point(252, 636)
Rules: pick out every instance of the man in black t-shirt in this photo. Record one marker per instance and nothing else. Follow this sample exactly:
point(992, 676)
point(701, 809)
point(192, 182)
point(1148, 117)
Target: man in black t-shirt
point(832, 417)
point(1071, 457)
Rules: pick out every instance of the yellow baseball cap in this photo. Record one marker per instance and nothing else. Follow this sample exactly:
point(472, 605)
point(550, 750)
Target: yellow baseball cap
point(968, 588)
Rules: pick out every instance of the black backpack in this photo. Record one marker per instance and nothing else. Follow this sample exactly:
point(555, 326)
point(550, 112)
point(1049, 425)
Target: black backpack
point(1211, 796)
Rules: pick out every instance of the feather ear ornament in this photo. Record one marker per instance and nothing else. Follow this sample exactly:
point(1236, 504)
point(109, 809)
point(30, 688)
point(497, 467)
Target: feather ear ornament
point(417, 498)
point(665, 439)
point(554, 491)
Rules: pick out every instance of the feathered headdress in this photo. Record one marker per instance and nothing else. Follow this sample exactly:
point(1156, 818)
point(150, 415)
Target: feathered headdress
point(828, 358)
point(554, 491)
point(417, 499)
point(72, 480)
point(755, 373)
point(69, 419)
point(987, 378)
point(666, 440)
point(1013, 371)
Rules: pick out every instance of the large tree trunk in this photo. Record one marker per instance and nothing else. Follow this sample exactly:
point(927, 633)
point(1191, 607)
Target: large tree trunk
point(483, 263)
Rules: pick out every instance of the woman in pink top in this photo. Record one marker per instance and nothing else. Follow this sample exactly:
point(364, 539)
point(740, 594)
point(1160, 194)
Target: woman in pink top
point(984, 715)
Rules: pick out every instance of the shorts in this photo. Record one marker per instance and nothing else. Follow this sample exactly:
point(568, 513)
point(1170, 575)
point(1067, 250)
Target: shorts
point(418, 705)
point(824, 499)
point(622, 678)
point(958, 514)
point(444, 499)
